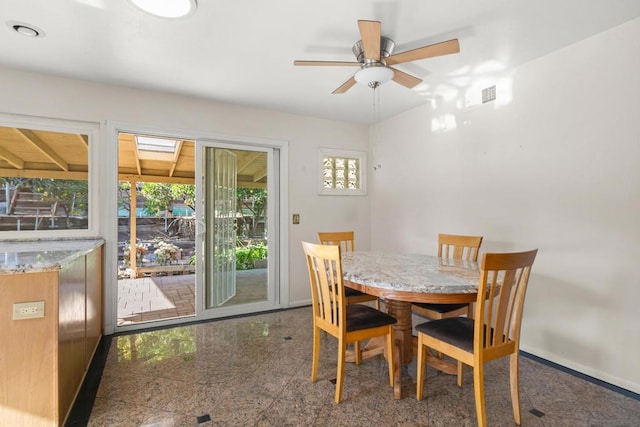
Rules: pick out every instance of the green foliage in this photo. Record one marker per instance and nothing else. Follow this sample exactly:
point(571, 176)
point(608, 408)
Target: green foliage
point(245, 255)
point(159, 196)
point(254, 200)
point(184, 192)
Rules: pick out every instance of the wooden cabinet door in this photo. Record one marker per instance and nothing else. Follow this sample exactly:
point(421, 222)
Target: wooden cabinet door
point(71, 332)
point(28, 386)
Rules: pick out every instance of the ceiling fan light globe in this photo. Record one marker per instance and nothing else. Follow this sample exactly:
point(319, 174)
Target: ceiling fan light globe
point(166, 8)
point(379, 75)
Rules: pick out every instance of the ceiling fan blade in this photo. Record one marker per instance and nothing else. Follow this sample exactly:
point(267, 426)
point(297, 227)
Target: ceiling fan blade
point(327, 63)
point(370, 34)
point(437, 49)
point(345, 86)
point(406, 80)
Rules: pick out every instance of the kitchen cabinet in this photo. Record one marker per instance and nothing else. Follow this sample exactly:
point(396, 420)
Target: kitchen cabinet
point(43, 360)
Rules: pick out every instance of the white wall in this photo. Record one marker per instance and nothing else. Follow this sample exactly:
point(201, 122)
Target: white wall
point(53, 97)
point(555, 167)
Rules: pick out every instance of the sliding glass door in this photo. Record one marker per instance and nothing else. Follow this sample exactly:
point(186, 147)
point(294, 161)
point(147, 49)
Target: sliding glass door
point(235, 216)
point(198, 229)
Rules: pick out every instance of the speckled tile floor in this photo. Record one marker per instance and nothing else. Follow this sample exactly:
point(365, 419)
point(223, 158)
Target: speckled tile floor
point(254, 371)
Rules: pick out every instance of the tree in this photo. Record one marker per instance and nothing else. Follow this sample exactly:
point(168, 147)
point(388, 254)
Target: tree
point(124, 195)
point(159, 196)
point(255, 200)
point(186, 193)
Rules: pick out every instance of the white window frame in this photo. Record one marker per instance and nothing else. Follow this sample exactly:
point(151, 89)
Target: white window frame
point(92, 130)
point(350, 154)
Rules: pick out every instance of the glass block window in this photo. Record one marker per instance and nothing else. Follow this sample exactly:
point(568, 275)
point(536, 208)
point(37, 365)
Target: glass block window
point(342, 172)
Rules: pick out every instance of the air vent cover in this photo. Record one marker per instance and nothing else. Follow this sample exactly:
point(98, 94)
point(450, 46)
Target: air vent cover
point(489, 94)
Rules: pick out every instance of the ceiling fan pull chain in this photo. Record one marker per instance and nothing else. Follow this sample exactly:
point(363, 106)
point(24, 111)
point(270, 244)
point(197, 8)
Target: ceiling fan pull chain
point(376, 127)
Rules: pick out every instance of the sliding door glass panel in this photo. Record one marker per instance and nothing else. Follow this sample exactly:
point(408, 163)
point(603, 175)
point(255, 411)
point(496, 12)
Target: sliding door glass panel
point(235, 270)
point(220, 234)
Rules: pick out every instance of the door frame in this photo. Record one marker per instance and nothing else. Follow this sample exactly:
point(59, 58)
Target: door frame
point(108, 217)
point(273, 296)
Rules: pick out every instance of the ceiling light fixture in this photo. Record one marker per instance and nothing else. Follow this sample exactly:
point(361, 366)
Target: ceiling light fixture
point(374, 74)
point(166, 8)
point(25, 29)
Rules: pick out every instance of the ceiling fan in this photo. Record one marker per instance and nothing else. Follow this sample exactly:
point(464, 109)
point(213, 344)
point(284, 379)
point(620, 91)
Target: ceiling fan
point(374, 54)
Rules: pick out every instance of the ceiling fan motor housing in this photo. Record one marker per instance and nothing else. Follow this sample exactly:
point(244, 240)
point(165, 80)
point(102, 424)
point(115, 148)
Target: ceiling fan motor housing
point(386, 49)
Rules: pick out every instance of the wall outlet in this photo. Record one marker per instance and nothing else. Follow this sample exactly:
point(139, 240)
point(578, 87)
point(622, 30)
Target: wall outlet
point(28, 310)
point(296, 218)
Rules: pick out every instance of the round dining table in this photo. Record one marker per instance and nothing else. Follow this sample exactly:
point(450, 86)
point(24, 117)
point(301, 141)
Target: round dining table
point(402, 279)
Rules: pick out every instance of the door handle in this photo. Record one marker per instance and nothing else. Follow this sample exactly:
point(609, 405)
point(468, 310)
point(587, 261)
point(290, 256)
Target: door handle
point(201, 228)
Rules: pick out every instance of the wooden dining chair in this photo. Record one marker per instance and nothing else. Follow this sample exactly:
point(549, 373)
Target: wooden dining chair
point(494, 333)
point(451, 246)
point(349, 323)
point(345, 239)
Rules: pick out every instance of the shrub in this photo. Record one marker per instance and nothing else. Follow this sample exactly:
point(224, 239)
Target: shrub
point(166, 252)
point(247, 254)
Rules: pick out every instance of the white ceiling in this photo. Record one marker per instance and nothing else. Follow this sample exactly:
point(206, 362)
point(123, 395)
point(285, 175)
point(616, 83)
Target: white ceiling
point(242, 51)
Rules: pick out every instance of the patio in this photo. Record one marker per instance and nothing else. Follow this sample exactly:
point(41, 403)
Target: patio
point(163, 297)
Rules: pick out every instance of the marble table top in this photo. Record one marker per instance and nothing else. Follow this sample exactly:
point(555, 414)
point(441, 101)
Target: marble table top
point(413, 273)
point(25, 256)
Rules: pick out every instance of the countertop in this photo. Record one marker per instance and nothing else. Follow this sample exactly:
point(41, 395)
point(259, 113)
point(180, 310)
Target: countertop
point(30, 256)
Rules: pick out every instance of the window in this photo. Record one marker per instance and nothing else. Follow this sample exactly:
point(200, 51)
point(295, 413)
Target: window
point(342, 172)
point(44, 176)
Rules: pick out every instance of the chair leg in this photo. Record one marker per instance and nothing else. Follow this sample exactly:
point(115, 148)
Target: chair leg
point(357, 352)
point(514, 379)
point(460, 373)
point(342, 351)
point(315, 359)
point(478, 387)
point(422, 355)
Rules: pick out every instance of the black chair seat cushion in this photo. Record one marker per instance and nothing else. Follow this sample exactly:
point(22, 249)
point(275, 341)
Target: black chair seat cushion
point(457, 331)
point(440, 308)
point(350, 292)
point(360, 316)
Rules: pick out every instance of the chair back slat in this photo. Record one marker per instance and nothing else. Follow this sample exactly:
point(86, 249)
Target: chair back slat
point(327, 288)
point(344, 239)
point(501, 291)
point(452, 246)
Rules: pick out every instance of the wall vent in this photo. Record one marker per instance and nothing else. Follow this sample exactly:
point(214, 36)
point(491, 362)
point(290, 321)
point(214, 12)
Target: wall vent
point(489, 94)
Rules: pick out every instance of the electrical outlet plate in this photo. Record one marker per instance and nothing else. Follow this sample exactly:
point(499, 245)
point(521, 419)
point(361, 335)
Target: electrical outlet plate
point(296, 218)
point(28, 310)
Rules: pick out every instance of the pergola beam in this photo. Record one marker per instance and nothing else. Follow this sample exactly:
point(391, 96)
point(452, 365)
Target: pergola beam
point(156, 178)
point(34, 173)
point(176, 156)
point(13, 160)
point(34, 140)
